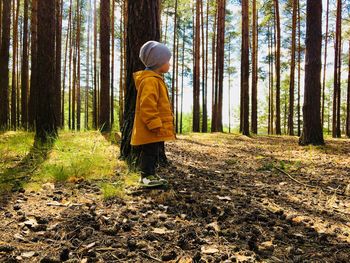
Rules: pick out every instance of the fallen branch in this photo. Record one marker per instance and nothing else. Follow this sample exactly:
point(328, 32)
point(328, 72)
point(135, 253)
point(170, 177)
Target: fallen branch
point(150, 257)
point(334, 191)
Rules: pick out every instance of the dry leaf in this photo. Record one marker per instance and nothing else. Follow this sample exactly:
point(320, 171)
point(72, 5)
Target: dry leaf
point(209, 249)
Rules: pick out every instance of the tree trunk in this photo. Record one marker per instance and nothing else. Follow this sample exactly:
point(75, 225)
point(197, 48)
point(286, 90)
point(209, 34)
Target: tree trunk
point(312, 130)
point(196, 72)
point(121, 73)
point(325, 65)
point(16, 4)
point(245, 67)
point(213, 93)
point(33, 69)
point(336, 132)
point(58, 62)
point(299, 69)
point(292, 72)
point(78, 89)
point(112, 63)
point(182, 74)
point(94, 102)
point(86, 102)
point(65, 63)
point(254, 70)
point(278, 67)
point(174, 58)
point(4, 64)
point(144, 14)
point(204, 68)
point(105, 27)
point(269, 44)
point(348, 100)
point(176, 109)
point(46, 128)
point(25, 69)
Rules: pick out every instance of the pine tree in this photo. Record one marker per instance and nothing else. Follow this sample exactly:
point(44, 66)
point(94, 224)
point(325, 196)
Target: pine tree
point(312, 130)
point(4, 64)
point(292, 72)
point(245, 68)
point(46, 127)
point(105, 27)
point(144, 14)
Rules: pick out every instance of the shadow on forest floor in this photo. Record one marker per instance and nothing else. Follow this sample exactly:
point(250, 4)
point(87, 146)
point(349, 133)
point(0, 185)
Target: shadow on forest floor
point(225, 203)
point(13, 178)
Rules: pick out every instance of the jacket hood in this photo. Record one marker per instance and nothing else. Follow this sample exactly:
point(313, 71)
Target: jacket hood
point(139, 76)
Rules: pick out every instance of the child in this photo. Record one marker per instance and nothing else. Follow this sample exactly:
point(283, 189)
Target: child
point(153, 123)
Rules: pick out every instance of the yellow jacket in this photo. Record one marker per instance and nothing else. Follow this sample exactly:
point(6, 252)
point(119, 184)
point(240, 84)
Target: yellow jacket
point(153, 110)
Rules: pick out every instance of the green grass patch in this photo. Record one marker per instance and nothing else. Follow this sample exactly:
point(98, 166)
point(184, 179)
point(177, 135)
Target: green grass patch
point(79, 155)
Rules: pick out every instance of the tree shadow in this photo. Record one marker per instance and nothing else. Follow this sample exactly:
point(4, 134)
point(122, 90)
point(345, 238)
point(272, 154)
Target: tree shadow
point(13, 179)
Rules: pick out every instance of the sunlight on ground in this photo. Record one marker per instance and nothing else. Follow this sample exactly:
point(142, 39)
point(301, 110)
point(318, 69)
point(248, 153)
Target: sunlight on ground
point(74, 157)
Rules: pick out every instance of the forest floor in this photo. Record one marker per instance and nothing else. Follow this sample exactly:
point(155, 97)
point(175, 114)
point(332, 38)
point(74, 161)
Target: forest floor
point(231, 199)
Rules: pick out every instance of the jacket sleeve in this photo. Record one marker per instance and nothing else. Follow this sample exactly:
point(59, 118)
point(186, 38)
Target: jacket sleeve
point(149, 104)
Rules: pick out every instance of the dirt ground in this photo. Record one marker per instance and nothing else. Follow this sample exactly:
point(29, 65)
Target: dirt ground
point(231, 199)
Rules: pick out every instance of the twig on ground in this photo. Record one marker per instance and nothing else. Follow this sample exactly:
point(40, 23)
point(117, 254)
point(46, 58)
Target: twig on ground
point(333, 191)
point(150, 257)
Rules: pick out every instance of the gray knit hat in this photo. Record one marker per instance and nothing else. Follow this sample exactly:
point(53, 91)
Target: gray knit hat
point(154, 54)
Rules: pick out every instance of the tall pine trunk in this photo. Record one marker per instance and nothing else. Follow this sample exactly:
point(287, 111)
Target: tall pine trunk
point(112, 63)
point(245, 67)
point(57, 106)
point(336, 132)
point(46, 128)
point(254, 121)
point(105, 26)
point(325, 64)
point(278, 67)
point(14, 64)
point(33, 69)
point(196, 71)
point(292, 72)
point(348, 100)
point(144, 14)
point(299, 69)
point(25, 69)
point(4, 64)
point(312, 130)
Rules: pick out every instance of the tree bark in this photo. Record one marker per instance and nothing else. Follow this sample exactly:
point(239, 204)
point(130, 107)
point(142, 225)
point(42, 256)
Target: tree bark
point(292, 72)
point(348, 99)
point(25, 70)
point(196, 72)
point(299, 69)
point(312, 130)
point(245, 67)
point(46, 128)
point(144, 14)
point(78, 48)
point(58, 62)
point(254, 115)
point(174, 57)
point(112, 63)
point(336, 132)
point(204, 68)
point(325, 64)
point(33, 69)
point(16, 5)
point(105, 27)
point(94, 100)
point(4, 64)
point(278, 67)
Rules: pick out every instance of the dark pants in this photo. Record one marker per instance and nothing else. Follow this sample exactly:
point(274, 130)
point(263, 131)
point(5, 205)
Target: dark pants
point(149, 158)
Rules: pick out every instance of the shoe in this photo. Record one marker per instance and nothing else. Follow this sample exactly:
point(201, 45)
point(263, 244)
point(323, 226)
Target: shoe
point(152, 181)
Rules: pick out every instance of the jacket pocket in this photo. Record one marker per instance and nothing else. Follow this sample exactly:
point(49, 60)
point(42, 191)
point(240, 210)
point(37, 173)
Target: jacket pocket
point(167, 129)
